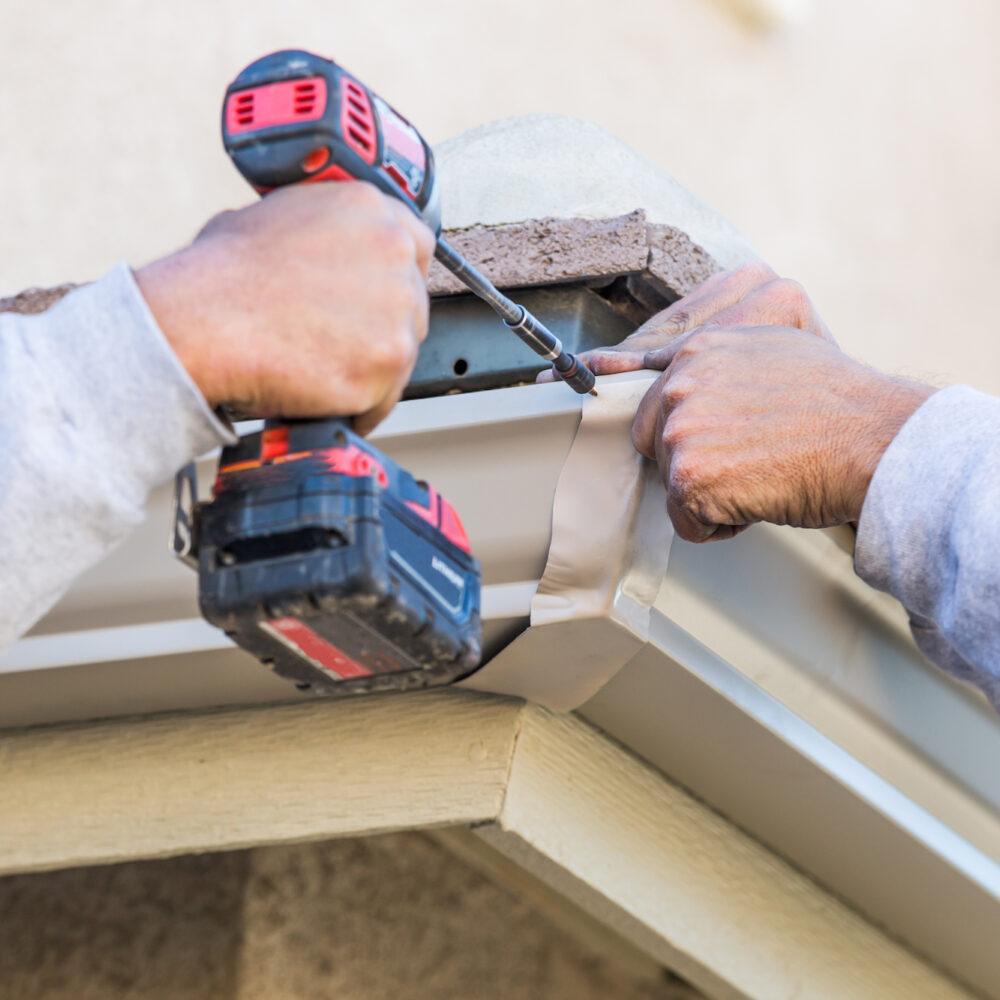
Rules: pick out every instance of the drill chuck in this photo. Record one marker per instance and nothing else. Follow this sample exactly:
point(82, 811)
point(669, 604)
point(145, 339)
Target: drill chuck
point(547, 345)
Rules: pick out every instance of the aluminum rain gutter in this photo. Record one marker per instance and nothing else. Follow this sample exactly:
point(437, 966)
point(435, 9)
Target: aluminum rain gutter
point(832, 814)
point(776, 686)
point(128, 638)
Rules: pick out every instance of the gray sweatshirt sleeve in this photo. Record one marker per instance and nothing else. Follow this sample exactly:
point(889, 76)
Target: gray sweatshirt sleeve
point(95, 411)
point(929, 532)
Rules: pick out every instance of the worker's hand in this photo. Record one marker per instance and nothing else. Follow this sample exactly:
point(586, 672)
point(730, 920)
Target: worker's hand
point(309, 303)
point(752, 295)
point(766, 424)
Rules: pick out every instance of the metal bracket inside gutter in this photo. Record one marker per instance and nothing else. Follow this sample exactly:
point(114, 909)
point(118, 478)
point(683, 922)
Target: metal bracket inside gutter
point(466, 349)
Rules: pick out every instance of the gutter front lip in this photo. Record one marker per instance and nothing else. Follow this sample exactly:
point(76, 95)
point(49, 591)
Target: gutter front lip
point(810, 743)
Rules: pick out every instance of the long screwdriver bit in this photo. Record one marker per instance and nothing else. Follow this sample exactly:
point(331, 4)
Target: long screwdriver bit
point(515, 317)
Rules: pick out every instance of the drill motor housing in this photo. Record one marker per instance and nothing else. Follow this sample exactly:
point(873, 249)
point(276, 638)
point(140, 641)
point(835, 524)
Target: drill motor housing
point(334, 566)
point(293, 117)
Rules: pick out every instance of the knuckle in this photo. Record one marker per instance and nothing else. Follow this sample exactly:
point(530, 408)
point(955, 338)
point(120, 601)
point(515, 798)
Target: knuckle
point(789, 294)
point(683, 488)
point(674, 323)
point(381, 352)
point(392, 351)
point(677, 432)
point(756, 272)
point(697, 341)
point(361, 195)
point(690, 468)
point(394, 245)
point(688, 350)
point(677, 390)
point(690, 490)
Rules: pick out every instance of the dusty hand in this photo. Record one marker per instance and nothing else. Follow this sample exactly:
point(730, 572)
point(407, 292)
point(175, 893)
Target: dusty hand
point(311, 302)
point(767, 424)
point(752, 295)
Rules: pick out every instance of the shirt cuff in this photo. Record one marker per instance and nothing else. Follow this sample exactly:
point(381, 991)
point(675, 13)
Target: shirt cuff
point(905, 541)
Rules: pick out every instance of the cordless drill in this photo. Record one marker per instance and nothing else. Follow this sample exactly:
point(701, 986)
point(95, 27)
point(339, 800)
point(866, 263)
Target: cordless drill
point(317, 553)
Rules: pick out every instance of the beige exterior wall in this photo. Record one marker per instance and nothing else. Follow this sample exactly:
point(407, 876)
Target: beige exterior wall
point(855, 145)
point(394, 916)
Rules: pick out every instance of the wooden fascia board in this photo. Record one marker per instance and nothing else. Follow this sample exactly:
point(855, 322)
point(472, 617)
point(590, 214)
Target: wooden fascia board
point(683, 884)
point(608, 832)
point(168, 785)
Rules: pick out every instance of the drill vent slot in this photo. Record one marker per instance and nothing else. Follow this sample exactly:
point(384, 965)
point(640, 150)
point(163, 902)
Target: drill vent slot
point(358, 121)
point(290, 543)
point(244, 109)
point(305, 98)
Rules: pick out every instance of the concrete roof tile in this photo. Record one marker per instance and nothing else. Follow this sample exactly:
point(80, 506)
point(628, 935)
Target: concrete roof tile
point(551, 166)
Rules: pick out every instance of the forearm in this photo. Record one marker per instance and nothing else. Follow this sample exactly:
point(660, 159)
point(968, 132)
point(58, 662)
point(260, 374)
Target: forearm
point(96, 411)
point(929, 532)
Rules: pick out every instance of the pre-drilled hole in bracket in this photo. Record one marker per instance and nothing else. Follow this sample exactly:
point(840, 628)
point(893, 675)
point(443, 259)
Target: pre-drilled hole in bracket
point(460, 367)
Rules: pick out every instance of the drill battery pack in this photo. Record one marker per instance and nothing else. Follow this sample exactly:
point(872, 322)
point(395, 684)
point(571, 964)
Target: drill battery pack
point(334, 566)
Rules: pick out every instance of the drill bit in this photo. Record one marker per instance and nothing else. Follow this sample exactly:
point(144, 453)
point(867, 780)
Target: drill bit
point(515, 317)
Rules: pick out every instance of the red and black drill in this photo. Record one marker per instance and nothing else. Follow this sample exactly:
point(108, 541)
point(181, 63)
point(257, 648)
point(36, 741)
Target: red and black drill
point(293, 117)
point(317, 553)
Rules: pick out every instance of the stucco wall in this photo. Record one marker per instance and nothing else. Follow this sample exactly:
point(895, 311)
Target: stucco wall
point(393, 916)
point(854, 146)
